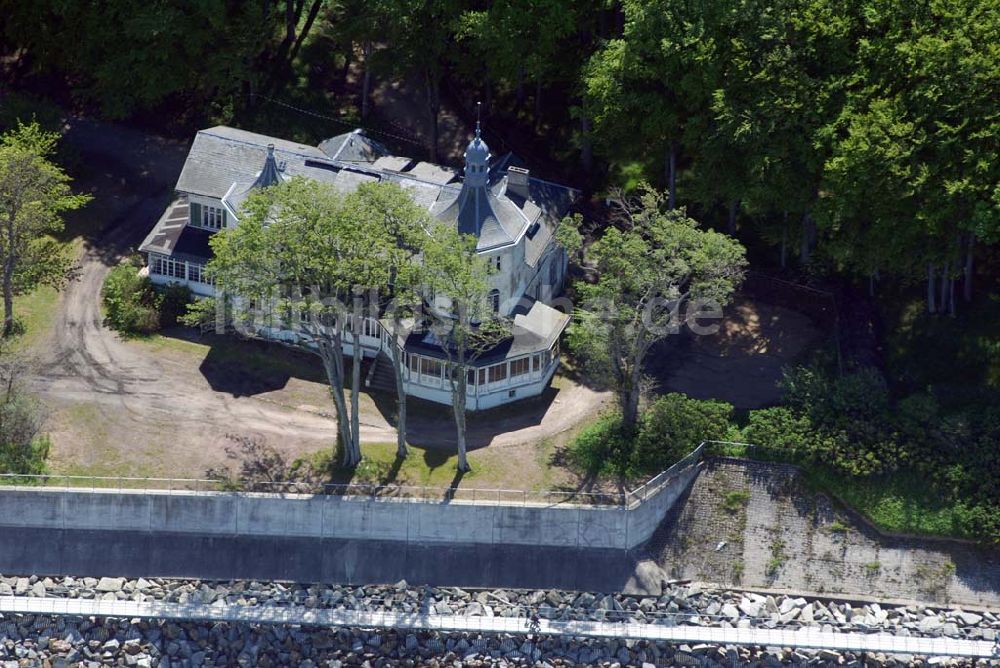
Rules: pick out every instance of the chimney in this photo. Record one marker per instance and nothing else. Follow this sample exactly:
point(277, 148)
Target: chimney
point(517, 181)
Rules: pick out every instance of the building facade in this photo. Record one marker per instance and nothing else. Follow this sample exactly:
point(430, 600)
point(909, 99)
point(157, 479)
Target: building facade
point(512, 214)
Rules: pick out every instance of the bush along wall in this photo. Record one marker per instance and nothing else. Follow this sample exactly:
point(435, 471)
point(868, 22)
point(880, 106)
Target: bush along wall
point(134, 306)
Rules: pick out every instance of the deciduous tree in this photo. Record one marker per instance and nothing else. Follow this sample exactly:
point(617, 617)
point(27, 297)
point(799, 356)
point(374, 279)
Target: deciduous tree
point(464, 322)
point(652, 264)
point(34, 193)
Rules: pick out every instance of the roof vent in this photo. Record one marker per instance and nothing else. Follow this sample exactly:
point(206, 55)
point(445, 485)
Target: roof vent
point(517, 181)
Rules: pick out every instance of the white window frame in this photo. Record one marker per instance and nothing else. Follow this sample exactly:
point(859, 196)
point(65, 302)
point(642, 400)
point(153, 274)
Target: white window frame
point(212, 217)
point(162, 265)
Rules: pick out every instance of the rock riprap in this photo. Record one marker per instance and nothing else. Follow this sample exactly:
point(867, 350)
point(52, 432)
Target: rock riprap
point(65, 640)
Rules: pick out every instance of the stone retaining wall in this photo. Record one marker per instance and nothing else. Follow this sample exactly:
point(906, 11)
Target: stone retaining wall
point(350, 517)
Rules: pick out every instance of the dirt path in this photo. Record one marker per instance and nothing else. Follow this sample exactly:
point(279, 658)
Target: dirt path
point(117, 406)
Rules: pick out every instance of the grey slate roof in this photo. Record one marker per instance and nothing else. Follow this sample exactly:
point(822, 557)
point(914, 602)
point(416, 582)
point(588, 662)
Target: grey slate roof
point(173, 236)
point(535, 328)
point(224, 163)
point(222, 156)
point(353, 147)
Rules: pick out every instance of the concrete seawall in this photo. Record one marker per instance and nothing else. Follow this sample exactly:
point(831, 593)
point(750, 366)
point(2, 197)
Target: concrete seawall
point(229, 534)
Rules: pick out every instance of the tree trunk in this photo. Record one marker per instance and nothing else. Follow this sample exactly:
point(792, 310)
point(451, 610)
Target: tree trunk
point(348, 55)
point(967, 283)
point(519, 94)
point(459, 404)
point(951, 297)
point(487, 92)
point(784, 241)
point(434, 107)
point(334, 367)
point(310, 19)
point(808, 234)
point(8, 297)
point(397, 365)
point(733, 205)
point(943, 302)
point(289, 22)
point(458, 400)
point(671, 173)
point(366, 80)
point(630, 404)
point(930, 288)
point(538, 103)
point(586, 145)
point(357, 357)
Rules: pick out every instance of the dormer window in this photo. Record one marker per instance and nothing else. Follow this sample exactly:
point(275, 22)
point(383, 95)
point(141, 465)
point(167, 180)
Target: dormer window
point(213, 217)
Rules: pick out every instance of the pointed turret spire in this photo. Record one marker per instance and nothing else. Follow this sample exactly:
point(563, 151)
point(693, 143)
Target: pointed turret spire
point(270, 174)
point(477, 158)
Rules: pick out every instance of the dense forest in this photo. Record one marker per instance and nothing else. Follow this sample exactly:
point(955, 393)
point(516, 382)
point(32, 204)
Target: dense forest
point(857, 136)
point(848, 144)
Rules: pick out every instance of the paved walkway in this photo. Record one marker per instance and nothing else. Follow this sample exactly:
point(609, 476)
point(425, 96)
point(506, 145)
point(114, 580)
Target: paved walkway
point(802, 638)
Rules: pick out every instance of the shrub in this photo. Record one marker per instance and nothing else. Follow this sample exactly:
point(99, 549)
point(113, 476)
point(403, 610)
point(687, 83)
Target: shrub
point(602, 448)
point(133, 305)
point(668, 430)
point(173, 303)
point(130, 303)
point(674, 425)
point(23, 448)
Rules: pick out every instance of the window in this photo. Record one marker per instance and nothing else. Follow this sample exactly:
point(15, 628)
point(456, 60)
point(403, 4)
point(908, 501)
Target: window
point(371, 328)
point(496, 263)
point(164, 266)
point(519, 367)
point(498, 372)
point(213, 217)
point(305, 315)
point(482, 376)
point(536, 362)
point(494, 300)
point(470, 377)
point(196, 273)
point(429, 367)
point(414, 364)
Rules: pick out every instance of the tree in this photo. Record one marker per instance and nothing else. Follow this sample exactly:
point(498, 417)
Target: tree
point(652, 264)
point(23, 446)
point(643, 88)
point(910, 183)
point(365, 22)
point(464, 321)
point(34, 193)
point(421, 32)
point(517, 40)
point(201, 52)
point(304, 253)
point(404, 228)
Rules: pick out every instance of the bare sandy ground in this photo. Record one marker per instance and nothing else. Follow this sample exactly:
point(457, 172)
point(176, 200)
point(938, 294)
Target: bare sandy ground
point(132, 408)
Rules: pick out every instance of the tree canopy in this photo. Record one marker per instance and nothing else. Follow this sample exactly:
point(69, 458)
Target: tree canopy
point(34, 193)
point(656, 271)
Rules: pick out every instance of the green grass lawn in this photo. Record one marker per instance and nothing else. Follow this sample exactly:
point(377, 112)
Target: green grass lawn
point(901, 502)
point(897, 503)
point(35, 311)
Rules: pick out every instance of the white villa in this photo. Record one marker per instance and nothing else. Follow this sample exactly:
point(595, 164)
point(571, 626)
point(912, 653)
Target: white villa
point(512, 214)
